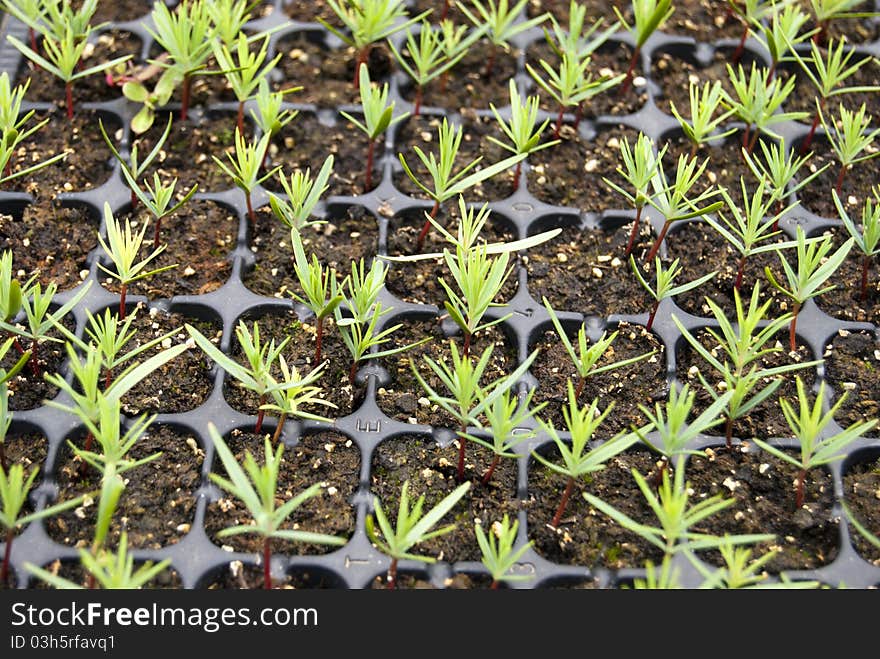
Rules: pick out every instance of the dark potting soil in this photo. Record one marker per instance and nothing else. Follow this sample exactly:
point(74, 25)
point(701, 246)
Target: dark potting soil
point(183, 383)
point(243, 576)
point(75, 573)
point(585, 271)
point(306, 142)
point(299, 353)
point(198, 240)
point(431, 470)
point(403, 397)
point(87, 165)
point(328, 458)
point(766, 420)
point(571, 173)
point(349, 234)
point(157, 507)
point(308, 58)
point(189, 151)
point(861, 483)
point(857, 181)
point(586, 536)
point(641, 383)
point(50, 241)
point(419, 581)
point(29, 449)
point(851, 367)
point(763, 487)
point(845, 301)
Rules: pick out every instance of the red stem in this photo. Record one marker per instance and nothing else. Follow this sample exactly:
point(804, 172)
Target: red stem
point(491, 470)
point(319, 339)
point(122, 292)
point(279, 429)
point(739, 273)
point(352, 372)
point(426, 227)
point(737, 54)
point(33, 36)
point(792, 330)
point(362, 57)
point(516, 174)
point(558, 122)
point(250, 210)
point(184, 97)
point(650, 323)
point(656, 247)
point(809, 140)
point(490, 63)
point(417, 107)
point(557, 518)
point(624, 88)
point(745, 140)
point(466, 349)
point(634, 232)
point(392, 574)
point(267, 559)
point(461, 445)
point(494, 585)
point(4, 574)
point(134, 201)
point(68, 92)
point(839, 183)
point(578, 115)
point(108, 377)
point(156, 233)
point(3, 463)
point(260, 415)
point(368, 182)
point(866, 263)
point(580, 387)
point(445, 11)
point(728, 433)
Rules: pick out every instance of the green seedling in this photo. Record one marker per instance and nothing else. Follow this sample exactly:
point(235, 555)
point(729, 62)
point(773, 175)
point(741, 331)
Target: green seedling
point(260, 357)
point(244, 168)
point(229, 18)
point(321, 294)
point(378, 117)
point(672, 199)
point(663, 289)
point(814, 266)
point(744, 344)
point(243, 69)
point(368, 22)
point(501, 24)
point(506, 422)
point(866, 236)
point(498, 554)
point(828, 74)
point(571, 85)
point(575, 39)
point(586, 357)
point(301, 195)
point(751, 228)
point(780, 171)
point(648, 16)
point(579, 457)
point(291, 393)
point(757, 100)
point(14, 489)
point(665, 577)
point(63, 54)
point(850, 139)
point(429, 59)
point(826, 11)
point(14, 130)
point(522, 131)
point(157, 199)
point(269, 117)
point(112, 570)
point(36, 304)
point(413, 527)
point(256, 486)
point(468, 398)
point(122, 248)
point(133, 168)
point(677, 517)
point(640, 165)
point(456, 40)
point(187, 35)
point(780, 35)
point(741, 571)
point(445, 183)
point(750, 12)
point(808, 425)
point(706, 115)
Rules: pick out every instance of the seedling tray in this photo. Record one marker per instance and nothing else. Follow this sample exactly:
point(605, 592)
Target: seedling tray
point(195, 558)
